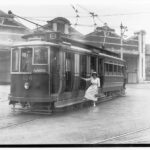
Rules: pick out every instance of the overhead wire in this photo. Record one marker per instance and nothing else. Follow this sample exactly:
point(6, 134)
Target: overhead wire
point(91, 14)
point(87, 16)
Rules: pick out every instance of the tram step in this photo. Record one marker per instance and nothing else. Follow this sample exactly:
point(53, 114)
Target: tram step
point(35, 111)
point(66, 103)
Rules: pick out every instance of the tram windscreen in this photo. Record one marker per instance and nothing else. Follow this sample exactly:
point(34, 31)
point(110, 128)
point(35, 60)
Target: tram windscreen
point(40, 55)
point(15, 60)
point(26, 60)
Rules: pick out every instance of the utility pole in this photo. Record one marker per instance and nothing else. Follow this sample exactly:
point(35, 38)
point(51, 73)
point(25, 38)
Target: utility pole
point(105, 33)
point(123, 29)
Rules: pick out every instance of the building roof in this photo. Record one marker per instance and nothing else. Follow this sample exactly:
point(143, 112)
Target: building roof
point(8, 21)
point(106, 36)
point(105, 27)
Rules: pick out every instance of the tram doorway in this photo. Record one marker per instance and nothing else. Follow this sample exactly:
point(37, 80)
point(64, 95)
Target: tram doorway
point(93, 64)
point(54, 70)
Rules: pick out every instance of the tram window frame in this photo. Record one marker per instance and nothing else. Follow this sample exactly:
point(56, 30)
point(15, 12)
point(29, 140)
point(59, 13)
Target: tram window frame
point(122, 70)
point(83, 65)
point(115, 68)
point(27, 65)
point(111, 66)
point(106, 68)
point(47, 55)
point(76, 64)
point(93, 63)
point(60, 27)
point(17, 61)
point(83, 71)
point(119, 70)
point(100, 66)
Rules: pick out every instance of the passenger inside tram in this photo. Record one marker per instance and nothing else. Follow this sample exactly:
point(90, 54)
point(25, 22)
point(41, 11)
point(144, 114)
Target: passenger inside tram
point(27, 61)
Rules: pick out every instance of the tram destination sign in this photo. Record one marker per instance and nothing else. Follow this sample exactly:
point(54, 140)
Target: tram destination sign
point(40, 68)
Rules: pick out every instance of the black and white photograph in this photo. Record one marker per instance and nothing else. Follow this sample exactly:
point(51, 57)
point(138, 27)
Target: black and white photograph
point(75, 73)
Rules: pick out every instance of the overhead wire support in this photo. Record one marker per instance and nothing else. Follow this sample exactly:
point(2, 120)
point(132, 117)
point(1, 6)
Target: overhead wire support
point(77, 15)
point(93, 15)
point(123, 29)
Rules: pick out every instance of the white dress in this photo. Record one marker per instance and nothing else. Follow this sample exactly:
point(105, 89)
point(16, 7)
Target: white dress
point(93, 89)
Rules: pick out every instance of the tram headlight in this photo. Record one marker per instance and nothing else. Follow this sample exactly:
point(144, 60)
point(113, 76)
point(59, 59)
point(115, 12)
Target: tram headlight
point(26, 85)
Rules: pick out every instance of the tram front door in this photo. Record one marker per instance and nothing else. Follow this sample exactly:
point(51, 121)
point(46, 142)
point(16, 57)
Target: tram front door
point(54, 70)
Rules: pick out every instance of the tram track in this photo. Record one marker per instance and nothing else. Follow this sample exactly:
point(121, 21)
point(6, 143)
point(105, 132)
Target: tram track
point(17, 124)
point(7, 116)
point(14, 119)
point(11, 122)
point(124, 135)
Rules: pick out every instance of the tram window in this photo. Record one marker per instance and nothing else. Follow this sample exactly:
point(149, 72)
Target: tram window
point(40, 55)
point(83, 65)
point(93, 64)
point(122, 70)
point(15, 60)
point(83, 70)
point(60, 27)
point(110, 69)
point(69, 61)
point(77, 61)
point(100, 67)
point(106, 69)
point(119, 70)
point(115, 69)
point(26, 59)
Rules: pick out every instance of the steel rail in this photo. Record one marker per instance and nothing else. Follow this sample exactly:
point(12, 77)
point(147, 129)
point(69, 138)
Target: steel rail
point(121, 135)
point(18, 124)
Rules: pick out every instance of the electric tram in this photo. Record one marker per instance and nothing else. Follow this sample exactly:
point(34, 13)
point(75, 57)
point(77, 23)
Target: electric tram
point(46, 71)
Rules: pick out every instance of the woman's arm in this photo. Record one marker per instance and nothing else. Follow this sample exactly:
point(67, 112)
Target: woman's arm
point(98, 83)
point(86, 79)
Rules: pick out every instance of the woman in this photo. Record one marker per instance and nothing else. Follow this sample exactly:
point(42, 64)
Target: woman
point(92, 91)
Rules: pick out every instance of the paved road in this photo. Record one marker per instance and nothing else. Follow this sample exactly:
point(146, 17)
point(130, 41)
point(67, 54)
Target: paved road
point(86, 126)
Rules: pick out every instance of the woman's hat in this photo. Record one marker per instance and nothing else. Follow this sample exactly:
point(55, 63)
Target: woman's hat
point(94, 73)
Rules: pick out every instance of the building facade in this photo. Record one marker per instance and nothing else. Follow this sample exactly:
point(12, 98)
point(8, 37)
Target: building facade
point(133, 49)
point(10, 31)
point(147, 62)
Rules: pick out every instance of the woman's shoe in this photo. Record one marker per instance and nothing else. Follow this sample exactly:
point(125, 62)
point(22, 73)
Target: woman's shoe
point(94, 105)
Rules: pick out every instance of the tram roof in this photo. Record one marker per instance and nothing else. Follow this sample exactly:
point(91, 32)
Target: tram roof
point(84, 47)
point(33, 43)
point(84, 44)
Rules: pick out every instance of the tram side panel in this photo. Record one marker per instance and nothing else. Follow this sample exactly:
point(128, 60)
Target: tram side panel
point(113, 75)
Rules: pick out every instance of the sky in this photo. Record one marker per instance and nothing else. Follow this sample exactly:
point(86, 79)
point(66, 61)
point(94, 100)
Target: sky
point(135, 14)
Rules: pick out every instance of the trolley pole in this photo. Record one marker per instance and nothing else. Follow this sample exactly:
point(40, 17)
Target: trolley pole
point(123, 29)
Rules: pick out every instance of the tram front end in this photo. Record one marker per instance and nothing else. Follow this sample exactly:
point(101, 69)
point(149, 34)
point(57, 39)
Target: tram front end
point(30, 76)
